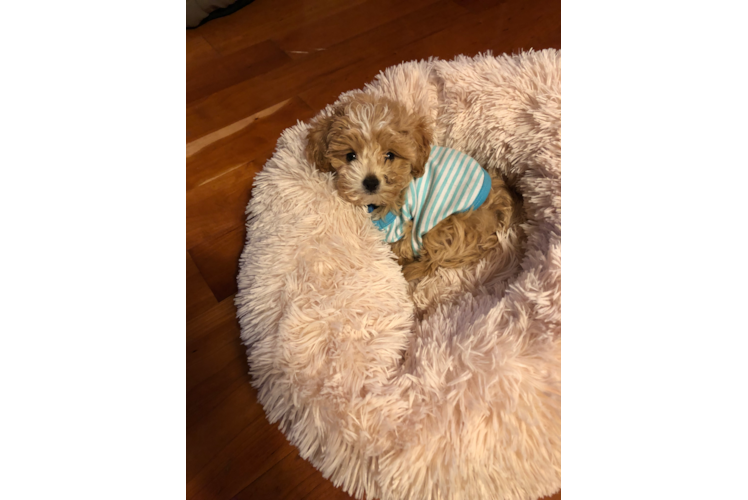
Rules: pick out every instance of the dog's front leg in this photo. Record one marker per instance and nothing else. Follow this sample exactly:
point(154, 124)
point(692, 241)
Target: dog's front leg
point(402, 248)
point(417, 269)
point(412, 268)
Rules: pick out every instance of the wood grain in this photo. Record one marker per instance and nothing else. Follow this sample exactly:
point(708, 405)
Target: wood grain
point(289, 479)
point(218, 261)
point(253, 142)
point(217, 207)
point(205, 71)
point(496, 32)
point(199, 296)
point(342, 26)
point(267, 19)
point(246, 458)
point(215, 360)
point(232, 104)
point(249, 76)
point(211, 72)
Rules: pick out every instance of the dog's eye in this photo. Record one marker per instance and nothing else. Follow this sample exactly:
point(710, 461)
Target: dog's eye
point(350, 157)
point(389, 156)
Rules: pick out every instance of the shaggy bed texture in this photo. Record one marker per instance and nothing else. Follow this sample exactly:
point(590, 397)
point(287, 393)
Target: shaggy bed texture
point(448, 388)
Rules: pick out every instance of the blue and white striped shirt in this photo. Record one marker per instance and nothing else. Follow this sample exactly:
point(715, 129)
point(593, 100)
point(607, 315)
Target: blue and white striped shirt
point(452, 182)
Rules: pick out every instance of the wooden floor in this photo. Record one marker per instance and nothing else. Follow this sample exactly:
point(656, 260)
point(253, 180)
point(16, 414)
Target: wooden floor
point(250, 76)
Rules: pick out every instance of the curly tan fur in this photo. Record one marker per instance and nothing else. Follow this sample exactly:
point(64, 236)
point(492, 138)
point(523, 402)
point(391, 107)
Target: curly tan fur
point(367, 137)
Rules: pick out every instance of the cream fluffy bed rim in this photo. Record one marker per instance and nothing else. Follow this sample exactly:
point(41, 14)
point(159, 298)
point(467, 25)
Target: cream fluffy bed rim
point(465, 402)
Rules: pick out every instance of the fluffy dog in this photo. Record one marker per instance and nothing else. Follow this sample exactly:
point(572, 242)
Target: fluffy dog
point(378, 151)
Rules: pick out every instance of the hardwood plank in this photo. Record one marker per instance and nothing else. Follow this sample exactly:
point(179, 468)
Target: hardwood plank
point(325, 491)
point(215, 349)
point(328, 89)
point(207, 395)
point(344, 25)
point(216, 359)
point(479, 5)
point(265, 19)
point(208, 437)
point(256, 59)
point(245, 458)
point(229, 130)
point(199, 296)
point(205, 73)
point(217, 207)
point(506, 28)
point(289, 479)
point(519, 26)
point(213, 378)
point(199, 51)
point(218, 261)
point(252, 139)
point(219, 72)
point(232, 104)
point(212, 322)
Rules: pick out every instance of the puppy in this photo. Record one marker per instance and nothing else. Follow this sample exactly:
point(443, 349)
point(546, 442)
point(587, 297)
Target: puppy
point(435, 206)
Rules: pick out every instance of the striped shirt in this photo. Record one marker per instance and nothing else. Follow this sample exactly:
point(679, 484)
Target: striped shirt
point(452, 182)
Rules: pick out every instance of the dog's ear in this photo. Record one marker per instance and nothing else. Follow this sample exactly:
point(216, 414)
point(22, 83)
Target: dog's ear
point(421, 135)
point(317, 142)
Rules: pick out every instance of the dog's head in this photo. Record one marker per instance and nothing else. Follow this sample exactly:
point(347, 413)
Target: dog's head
point(375, 148)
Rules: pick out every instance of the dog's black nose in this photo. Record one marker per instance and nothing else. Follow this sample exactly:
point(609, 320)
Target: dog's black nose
point(371, 183)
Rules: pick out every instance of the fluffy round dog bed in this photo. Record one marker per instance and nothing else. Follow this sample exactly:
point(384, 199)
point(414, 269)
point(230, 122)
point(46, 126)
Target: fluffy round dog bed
point(449, 388)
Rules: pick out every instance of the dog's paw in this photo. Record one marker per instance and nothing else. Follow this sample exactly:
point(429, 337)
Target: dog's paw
point(415, 270)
